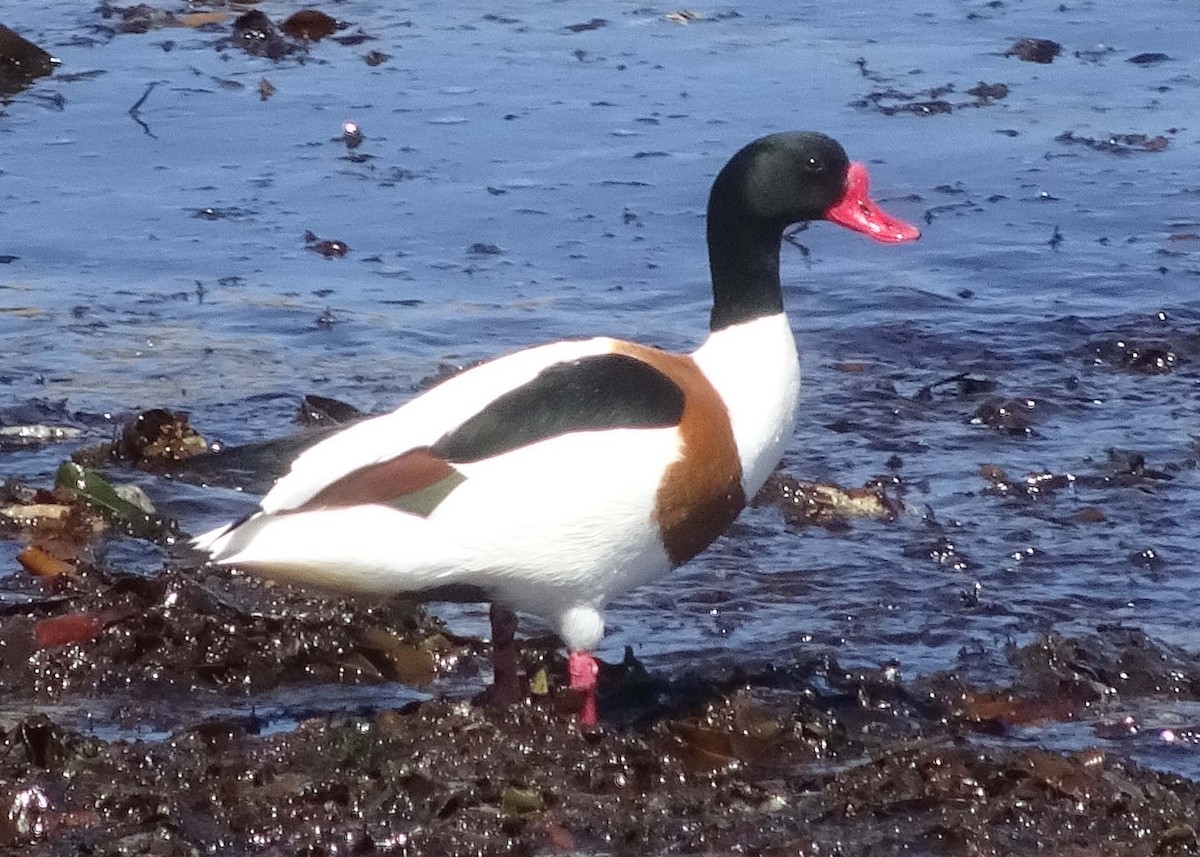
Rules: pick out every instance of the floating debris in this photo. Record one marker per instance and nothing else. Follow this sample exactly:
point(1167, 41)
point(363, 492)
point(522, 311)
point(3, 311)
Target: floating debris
point(143, 18)
point(354, 39)
point(1096, 55)
point(28, 814)
point(989, 91)
point(1038, 484)
point(36, 435)
point(1128, 466)
point(931, 102)
point(1034, 50)
point(40, 562)
point(69, 629)
point(517, 802)
point(1152, 58)
point(352, 135)
point(998, 709)
point(321, 411)
point(326, 320)
point(254, 33)
point(135, 111)
point(37, 515)
point(397, 658)
point(202, 19)
point(329, 248)
point(159, 437)
point(1117, 144)
point(593, 24)
point(89, 487)
point(965, 384)
point(1090, 515)
point(21, 62)
point(34, 514)
point(943, 550)
point(138, 19)
point(828, 505)
point(310, 25)
point(1121, 467)
point(1143, 356)
point(232, 212)
point(1008, 416)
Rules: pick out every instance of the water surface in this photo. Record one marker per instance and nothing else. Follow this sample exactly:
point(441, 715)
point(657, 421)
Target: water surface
point(523, 181)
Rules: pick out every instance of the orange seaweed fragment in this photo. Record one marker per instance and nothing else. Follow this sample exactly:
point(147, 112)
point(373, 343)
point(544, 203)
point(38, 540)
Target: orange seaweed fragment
point(41, 563)
point(64, 630)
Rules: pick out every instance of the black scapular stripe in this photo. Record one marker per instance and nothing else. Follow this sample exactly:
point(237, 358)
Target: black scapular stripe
point(603, 391)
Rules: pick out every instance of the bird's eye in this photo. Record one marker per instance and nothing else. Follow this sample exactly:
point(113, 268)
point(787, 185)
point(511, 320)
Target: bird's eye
point(814, 165)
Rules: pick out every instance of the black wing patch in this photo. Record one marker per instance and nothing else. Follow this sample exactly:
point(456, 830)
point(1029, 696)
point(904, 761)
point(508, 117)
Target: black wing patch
point(603, 391)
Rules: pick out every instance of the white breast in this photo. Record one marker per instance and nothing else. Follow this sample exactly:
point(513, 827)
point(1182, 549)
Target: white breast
point(756, 369)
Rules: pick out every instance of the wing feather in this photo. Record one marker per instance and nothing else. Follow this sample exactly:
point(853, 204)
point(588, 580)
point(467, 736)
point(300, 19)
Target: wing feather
point(420, 422)
point(591, 393)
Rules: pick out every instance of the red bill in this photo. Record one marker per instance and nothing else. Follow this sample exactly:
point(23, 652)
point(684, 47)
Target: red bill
point(857, 211)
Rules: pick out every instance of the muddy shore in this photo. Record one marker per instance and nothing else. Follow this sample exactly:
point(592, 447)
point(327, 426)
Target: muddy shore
point(980, 641)
point(796, 758)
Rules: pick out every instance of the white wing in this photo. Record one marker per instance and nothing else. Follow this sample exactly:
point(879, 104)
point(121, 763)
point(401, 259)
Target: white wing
point(419, 422)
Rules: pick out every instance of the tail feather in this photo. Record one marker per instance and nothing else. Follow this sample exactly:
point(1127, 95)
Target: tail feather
point(366, 549)
point(207, 542)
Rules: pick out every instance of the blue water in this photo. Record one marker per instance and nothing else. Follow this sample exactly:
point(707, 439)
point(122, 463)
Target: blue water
point(585, 158)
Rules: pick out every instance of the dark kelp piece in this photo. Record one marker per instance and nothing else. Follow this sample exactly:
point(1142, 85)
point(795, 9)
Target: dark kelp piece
point(1034, 50)
point(310, 25)
point(254, 33)
point(21, 62)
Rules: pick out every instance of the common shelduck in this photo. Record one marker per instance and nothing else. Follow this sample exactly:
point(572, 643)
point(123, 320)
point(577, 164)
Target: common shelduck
point(557, 478)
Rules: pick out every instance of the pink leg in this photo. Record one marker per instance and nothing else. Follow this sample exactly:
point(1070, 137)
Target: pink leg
point(582, 671)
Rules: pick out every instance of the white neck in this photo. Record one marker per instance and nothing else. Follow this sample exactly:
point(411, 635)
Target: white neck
point(756, 370)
